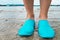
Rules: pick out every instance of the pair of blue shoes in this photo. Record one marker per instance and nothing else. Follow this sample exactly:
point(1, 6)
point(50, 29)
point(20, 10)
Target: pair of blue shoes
point(44, 29)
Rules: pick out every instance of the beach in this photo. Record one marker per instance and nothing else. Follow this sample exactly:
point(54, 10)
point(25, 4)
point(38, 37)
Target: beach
point(12, 18)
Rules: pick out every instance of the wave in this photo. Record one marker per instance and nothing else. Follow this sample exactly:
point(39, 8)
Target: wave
point(21, 5)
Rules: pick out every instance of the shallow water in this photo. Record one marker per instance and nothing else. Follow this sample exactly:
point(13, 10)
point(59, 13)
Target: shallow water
point(19, 11)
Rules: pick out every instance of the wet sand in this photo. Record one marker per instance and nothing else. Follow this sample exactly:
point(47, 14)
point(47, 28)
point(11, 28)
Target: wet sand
point(9, 28)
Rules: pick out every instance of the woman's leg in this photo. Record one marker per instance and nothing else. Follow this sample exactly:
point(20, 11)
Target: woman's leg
point(44, 25)
point(27, 28)
point(29, 8)
point(44, 8)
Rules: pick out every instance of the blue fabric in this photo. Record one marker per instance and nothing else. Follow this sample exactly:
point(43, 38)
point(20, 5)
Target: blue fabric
point(45, 30)
point(28, 28)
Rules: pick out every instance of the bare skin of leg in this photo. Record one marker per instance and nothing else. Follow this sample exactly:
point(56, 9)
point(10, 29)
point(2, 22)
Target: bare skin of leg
point(29, 8)
point(44, 8)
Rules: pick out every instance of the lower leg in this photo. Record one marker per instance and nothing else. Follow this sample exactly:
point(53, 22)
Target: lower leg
point(29, 8)
point(27, 29)
point(44, 8)
point(44, 25)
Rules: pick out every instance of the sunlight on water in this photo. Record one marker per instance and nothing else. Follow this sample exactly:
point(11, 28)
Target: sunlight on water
point(36, 2)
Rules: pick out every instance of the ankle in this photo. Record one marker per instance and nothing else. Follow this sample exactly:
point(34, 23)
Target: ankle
point(43, 18)
point(30, 16)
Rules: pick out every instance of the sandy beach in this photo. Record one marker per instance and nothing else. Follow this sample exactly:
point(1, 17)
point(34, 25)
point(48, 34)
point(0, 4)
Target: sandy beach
point(11, 21)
